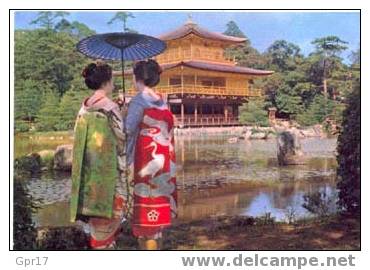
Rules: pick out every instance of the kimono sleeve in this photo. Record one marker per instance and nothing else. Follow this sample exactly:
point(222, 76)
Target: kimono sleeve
point(79, 144)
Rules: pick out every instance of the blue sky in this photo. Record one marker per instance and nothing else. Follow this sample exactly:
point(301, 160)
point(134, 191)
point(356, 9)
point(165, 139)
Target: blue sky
point(262, 28)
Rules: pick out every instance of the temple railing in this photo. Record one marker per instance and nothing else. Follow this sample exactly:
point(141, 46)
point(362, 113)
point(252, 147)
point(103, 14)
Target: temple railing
point(186, 55)
point(205, 120)
point(204, 90)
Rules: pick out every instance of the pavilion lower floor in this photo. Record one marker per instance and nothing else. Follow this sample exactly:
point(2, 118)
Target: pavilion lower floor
point(198, 112)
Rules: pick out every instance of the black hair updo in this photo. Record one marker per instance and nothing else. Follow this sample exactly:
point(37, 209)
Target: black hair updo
point(148, 72)
point(96, 75)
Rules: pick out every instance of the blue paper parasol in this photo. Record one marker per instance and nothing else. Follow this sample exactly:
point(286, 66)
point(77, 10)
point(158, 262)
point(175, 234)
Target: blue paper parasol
point(121, 46)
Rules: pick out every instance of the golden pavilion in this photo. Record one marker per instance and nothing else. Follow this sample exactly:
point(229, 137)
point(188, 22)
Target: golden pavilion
point(202, 86)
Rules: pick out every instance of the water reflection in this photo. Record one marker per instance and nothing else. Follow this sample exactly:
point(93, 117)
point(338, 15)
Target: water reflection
point(216, 177)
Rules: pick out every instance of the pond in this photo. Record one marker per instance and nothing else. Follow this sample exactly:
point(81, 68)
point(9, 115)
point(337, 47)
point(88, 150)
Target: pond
point(216, 177)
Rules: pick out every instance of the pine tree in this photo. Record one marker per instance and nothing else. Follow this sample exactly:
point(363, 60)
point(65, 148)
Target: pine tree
point(232, 29)
point(69, 107)
point(122, 17)
point(27, 99)
point(48, 117)
point(253, 113)
point(328, 48)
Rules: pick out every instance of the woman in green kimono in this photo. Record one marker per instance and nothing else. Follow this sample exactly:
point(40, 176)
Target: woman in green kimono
point(99, 184)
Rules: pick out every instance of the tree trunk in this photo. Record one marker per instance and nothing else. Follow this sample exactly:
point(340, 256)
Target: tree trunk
point(325, 88)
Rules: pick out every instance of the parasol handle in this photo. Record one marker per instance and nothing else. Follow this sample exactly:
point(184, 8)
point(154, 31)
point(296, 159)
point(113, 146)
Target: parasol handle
point(123, 78)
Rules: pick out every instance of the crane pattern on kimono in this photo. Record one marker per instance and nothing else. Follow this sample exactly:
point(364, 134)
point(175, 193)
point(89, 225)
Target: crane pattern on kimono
point(158, 131)
point(163, 188)
point(155, 165)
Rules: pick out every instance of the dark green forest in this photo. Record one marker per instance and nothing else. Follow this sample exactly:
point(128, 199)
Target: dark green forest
point(49, 87)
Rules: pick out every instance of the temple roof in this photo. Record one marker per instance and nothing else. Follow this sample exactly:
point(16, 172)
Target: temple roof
point(211, 67)
point(191, 27)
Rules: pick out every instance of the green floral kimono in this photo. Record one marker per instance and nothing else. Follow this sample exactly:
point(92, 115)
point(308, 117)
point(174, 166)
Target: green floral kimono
point(97, 167)
point(94, 173)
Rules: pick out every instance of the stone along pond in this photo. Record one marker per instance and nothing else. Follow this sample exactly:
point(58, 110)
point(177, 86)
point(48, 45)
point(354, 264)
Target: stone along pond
point(214, 177)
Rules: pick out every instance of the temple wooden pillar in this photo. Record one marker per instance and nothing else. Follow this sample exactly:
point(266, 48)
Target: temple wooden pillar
point(182, 81)
point(201, 112)
point(182, 114)
point(213, 114)
point(196, 112)
point(225, 112)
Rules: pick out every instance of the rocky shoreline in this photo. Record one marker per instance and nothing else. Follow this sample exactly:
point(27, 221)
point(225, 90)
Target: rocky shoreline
point(61, 158)
point(252, 133)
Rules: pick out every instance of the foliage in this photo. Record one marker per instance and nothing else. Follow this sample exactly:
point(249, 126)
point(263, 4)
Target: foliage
point(47, 65)
point(253, 113)
point(63, 238)
point(244, 54)
point(48, 117)
point(232, 29)
point(287, 100)
point(266, 219)
point(75, 28)
point(24, 231)
point(327, 52)
point(28, 164)
point(320, 110)
point(349, 155)
point(27, 99)
point(46, 61)
point(297, 87)
point(283, 55)
point(319, 203)
point(122, 17)
point(21, 126)
point(47, 19)
point(329, 46)
point(48, 58)
point(68, 108)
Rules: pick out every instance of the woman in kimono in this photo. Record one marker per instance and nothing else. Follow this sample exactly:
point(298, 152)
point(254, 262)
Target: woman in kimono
point(99, 186)
point(150, 148)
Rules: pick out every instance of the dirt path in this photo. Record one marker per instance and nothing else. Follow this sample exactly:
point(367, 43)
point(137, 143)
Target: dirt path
point(232, 233)
point(228, 233)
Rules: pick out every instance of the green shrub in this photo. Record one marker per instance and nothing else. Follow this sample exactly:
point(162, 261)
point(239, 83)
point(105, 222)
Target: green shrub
point(319, 110)
point(21, 126)
point(24, 231)
point(319, 203)
point(349, 155)
point(253, 113)
point(28, 164)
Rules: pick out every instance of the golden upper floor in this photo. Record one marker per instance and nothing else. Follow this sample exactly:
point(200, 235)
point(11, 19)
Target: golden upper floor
point(191, 42)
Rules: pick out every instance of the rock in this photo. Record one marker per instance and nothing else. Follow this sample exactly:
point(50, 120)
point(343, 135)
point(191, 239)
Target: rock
point(289, 149)
point(63, 157)
point(30, 163)
point(247, 134)
point(310, 132)
point(232, 140)
point(46, 153)
point(47, 158)
point(319, 131)
point(258, 135)
point(62, 238)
